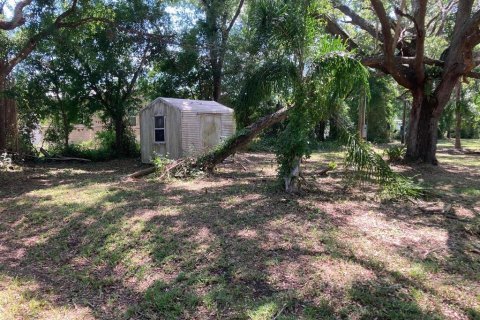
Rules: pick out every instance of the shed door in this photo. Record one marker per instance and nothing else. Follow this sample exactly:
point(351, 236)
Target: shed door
point(211, 128)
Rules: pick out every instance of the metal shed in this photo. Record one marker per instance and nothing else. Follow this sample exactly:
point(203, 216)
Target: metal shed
point(177, 128)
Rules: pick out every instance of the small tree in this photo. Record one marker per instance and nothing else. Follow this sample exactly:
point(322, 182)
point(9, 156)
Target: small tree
point(303, 70)
point(110, 61)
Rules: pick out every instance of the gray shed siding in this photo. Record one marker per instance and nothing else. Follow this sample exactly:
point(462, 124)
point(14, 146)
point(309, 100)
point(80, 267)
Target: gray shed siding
point(171, 147)
point(184, 130)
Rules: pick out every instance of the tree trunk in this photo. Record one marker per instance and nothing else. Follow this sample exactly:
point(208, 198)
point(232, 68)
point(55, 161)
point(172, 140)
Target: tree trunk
point(404, 122)
point(3, 114)
point(361, 118)
point(333, 133)
point(241, 139)
point(217, 83)
point(119, 125)
point(423, 130)
point(320, 130)
point(292, 181)
point(458, 118)
point(8, 118)
point(66, 130)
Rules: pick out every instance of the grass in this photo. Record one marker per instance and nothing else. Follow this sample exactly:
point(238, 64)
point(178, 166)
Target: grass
point(473, 144)
point(78, 242)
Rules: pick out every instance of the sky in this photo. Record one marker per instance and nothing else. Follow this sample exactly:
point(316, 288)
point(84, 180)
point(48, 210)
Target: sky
point(7, 9)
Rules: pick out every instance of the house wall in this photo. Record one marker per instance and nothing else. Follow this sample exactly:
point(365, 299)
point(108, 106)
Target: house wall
point(171, 148)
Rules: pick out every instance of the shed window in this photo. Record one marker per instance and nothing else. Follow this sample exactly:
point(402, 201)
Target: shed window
point(160, 129)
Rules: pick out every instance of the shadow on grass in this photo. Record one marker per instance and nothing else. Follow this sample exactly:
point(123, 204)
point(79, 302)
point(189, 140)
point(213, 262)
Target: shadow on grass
point(151, 251)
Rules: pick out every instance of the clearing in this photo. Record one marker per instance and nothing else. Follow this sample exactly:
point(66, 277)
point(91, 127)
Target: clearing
point(76, 242)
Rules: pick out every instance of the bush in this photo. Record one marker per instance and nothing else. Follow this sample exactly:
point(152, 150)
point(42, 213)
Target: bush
point(395, 153)
point(102, 148)
point(160, 162)
point(263, 143)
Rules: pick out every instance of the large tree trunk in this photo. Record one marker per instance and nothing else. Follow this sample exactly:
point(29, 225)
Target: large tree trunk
point(217, 83)
point(423, 130)
point(458, 118)
point(240, 140)
point(320, 130)
point(8, 118)
point(66, 130)
point(333, 129)
point(3, 110)
point(119, 125)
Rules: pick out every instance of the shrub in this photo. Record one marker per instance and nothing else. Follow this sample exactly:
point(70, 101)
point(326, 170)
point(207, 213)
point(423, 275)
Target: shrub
point(395, 153)
point(102, 148)
point(160, 162)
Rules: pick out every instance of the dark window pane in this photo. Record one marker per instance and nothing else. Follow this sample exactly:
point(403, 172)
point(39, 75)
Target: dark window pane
point(159, 122)
point(160, 135)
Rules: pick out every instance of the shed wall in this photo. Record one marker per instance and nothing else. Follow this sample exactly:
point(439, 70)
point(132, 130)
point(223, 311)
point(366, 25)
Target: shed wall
point(184, 130)
point(171, 148)
point(191, 127)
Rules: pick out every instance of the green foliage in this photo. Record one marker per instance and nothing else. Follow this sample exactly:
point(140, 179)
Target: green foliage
point(369, 166)
point(333, 78)
point(469, 108)
point(265, 88)
point(102, 148)
point(380, 109)
point(160, 162)
point(332, 165)
point(263, 143)
point(395, 153)
point(94, 69)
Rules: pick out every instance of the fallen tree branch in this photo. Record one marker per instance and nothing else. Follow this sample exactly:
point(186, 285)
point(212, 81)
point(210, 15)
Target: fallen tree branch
point(141, 173)
point(173, 167)
point(209, 161)
point(324, 171)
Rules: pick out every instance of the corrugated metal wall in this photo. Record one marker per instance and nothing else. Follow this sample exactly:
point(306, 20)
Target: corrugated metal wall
point(183, 131)
point(191, 139)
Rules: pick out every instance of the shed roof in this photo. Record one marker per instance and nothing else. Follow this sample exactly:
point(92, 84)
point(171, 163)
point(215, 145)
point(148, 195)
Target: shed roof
point(196, 105)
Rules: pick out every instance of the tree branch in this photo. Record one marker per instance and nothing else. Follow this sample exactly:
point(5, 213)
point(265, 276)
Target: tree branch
point(385, 24)
point(33, 41)
point(132, 83)
point(360, 22)
point(237, 13)
point(334, 29)
point(420, 11)
point(18, 19)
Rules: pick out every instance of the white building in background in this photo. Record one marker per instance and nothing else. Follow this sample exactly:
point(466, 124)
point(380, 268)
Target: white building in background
point(82, 133)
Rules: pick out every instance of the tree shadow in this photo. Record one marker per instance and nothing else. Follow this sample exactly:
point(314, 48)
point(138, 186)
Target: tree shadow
point(39, 176)
point(230, 248)
point(382, 299)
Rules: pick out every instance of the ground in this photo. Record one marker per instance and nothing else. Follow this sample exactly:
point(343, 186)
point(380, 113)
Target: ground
point(79, 242)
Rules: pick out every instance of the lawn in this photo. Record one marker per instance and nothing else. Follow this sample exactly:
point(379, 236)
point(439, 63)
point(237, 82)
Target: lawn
point(79, 242)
